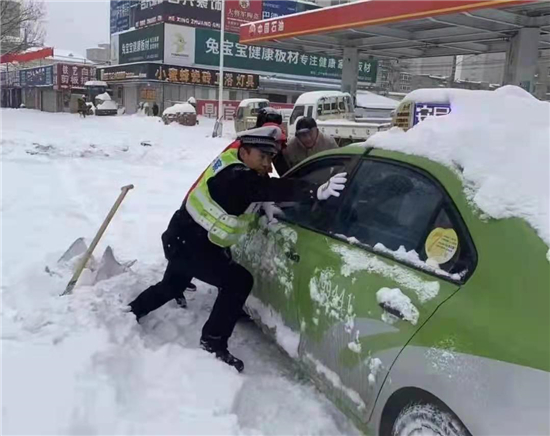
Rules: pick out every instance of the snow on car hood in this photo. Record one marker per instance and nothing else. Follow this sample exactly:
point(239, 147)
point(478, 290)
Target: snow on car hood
point(500, 140)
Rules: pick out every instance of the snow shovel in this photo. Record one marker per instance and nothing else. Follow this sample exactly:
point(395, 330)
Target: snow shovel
point(86, 257)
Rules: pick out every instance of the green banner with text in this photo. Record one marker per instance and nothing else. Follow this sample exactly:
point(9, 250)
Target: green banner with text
point(272, 60)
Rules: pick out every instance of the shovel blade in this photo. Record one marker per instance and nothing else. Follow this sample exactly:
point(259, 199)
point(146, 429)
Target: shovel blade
point(77, 248)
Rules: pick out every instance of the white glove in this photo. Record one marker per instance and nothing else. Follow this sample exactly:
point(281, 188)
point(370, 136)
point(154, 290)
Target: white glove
point(330, 189)
point(270, 211)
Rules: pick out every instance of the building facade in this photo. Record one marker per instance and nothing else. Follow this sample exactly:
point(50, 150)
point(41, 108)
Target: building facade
point(180, 40)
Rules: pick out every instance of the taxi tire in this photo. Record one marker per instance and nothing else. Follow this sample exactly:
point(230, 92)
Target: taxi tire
point(427, 419)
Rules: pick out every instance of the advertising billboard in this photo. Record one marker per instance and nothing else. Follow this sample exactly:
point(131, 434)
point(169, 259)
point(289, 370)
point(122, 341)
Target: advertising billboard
point(179, 45)
point(40, 76)
point(193, 13)
point(239, 12)
point(141, 45)
point(278, 8)
point(272, 60)
point(120, 15)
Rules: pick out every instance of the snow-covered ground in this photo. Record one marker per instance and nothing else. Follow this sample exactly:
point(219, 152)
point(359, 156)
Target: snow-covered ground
point(81, 364)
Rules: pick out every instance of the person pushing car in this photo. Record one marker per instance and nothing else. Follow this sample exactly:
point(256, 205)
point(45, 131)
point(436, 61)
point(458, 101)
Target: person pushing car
point(216, 212)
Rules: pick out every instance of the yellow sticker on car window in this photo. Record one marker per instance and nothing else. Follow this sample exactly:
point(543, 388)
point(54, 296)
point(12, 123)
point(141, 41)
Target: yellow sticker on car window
point(441, 245)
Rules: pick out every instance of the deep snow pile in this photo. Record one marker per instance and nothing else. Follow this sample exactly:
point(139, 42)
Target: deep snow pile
point(501, 142)
point(81, 364)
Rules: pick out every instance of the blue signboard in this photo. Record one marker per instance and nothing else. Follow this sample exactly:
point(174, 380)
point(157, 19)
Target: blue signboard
point(120, 15)
point(41, 76)
point(278, 8)
point(425, 110)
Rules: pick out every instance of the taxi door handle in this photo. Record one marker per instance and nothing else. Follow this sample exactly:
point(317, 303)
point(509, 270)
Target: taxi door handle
point(392, 310)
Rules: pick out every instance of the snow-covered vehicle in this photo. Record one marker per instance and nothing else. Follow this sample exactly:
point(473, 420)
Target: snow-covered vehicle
point(418, 106)
point(335, 115)
point(248, 109)
point(374, 108)
point(419, 299)
point(182, 113)
point(104, 105)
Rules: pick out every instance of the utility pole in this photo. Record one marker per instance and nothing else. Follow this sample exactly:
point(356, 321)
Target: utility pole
point(218, 127)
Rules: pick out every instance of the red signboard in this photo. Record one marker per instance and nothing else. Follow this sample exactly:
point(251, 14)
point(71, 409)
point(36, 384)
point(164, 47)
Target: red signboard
point(73, 76)
point(209, 108)
point(27, 56)
point(358, 14)
point(239, 12)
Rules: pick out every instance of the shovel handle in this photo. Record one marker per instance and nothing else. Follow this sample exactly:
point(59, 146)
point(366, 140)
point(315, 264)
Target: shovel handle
point(72, 283)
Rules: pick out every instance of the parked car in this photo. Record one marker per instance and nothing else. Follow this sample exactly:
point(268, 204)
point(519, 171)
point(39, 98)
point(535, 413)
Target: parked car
point(410, 311)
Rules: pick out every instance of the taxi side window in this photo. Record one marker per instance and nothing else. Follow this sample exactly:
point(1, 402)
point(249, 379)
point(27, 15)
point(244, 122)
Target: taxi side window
point(406, 214)
point(317, 215)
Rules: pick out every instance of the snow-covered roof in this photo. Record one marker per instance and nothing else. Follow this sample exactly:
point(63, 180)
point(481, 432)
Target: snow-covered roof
point(247, 101)
point(180, 108)
point(368, 99)
point(61, 55)
point(313, 96)
point(96, 83)
point(499, 140)
point(105, 96)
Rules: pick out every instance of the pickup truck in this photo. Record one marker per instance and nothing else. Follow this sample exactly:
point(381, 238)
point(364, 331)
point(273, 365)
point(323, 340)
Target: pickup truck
point(335, 116)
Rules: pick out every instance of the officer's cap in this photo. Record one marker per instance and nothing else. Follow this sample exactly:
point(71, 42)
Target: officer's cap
point(266, 138)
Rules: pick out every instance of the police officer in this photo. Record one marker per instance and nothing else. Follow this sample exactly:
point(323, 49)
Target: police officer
point(216, 212)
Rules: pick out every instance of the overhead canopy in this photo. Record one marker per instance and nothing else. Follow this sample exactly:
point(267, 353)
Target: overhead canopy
point(403, 29)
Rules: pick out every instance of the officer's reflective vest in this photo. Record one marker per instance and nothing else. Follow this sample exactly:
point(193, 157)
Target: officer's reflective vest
point(223, 229)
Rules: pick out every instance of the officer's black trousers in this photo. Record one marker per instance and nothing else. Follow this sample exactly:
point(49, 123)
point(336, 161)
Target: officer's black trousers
point(210, 264)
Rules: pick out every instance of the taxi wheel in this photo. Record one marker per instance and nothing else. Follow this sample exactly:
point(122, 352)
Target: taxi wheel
point(427, 420)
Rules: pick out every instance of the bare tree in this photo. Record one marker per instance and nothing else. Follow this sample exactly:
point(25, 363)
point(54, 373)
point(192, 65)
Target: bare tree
point(21, 25)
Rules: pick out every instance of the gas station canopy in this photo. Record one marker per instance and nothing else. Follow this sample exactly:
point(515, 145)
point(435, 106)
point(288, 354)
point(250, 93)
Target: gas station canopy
point(404, 29)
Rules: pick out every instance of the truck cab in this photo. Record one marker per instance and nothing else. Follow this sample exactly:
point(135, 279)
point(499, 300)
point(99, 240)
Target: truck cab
point(322, 105)
point(248, 109)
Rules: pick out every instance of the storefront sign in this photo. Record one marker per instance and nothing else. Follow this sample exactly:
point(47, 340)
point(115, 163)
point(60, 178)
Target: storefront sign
point(179, 45)
point(148, 94)
point(41, 76)
point(194, 13)
point(120, 15)
point(199, 76)
point(237, 55)
point(239, 12)
point(9, 78)
point(142, 45)
point(182, 75)
point(73, 76)
point(278, 8)
point(128, 72)
point(209, 108)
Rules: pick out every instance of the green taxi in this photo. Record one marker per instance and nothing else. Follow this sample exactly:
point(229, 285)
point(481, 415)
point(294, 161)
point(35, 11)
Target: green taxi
point(412, 311)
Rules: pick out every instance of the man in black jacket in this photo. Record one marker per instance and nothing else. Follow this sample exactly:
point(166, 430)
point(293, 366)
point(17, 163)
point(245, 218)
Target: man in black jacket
point(212, 217)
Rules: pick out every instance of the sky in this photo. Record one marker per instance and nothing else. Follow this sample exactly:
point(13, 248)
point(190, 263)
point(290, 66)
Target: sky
point(76, 25)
